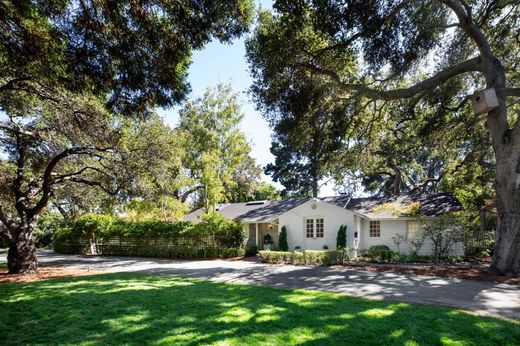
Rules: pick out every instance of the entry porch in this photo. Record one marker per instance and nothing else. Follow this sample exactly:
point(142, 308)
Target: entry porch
point(262, 234)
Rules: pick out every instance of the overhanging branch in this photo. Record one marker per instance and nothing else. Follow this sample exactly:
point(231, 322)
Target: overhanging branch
point(470, 65)
point(513, 92)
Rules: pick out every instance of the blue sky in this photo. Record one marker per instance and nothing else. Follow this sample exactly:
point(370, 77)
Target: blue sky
point(226, 63)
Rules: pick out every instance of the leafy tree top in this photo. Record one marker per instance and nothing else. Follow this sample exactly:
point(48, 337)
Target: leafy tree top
point(135, 53)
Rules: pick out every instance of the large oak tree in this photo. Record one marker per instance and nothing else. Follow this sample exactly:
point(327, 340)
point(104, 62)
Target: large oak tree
point(410, 49)
point(71, 71)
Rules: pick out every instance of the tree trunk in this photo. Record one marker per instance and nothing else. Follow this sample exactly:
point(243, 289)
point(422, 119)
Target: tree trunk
point(506, 144)
point(315, 187)
point(506, 257)
point(21, 257)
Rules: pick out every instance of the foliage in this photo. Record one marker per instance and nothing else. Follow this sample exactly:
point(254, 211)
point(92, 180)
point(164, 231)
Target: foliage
point(415, 124)
point(396, 209)
point(443, 233)
point(216, 147)
point(398, 239)
point(308, 124)
point(46, 228)
point(307, 257)
point(341, 239)
point(381, 253)
point(73, 77)
point(282, 240)
point(140, 309)
point(226, 231)
point(252, 250)
point(49, 46)
point(165, 209)
point(214, 236)
point(266, 192)
point(417, 243)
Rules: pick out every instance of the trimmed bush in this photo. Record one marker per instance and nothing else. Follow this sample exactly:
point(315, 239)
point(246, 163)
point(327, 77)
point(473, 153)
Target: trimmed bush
point(252, 250)
point(282, 240)
point(381, 253)
point(308, 257)
point(341, 239)
point(275, 256)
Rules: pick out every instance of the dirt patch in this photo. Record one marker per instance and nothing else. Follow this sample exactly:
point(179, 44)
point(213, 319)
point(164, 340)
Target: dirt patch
point(44, 273)
point(454, 272)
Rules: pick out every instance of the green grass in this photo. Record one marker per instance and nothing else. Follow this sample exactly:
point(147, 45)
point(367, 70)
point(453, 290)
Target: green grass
point(135, 309)
point(3, 265)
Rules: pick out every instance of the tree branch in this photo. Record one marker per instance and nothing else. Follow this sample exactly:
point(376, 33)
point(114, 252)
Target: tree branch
point(92, 183)
point(513, 92)
point(436, 80)
point(10, 84)
point(48, 179)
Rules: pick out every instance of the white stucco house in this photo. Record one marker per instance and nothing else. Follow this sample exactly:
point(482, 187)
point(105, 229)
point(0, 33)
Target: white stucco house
point(313, 223)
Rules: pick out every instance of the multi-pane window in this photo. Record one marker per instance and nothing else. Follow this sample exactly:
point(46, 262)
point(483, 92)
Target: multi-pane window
point(314, 228)
point(414, 230)
point(319, 228)
point(375, 229)
point(310, 228)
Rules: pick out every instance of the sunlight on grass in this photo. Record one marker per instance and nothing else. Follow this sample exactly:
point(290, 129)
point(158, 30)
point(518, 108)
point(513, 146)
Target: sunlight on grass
point(377, 313)
point(450, 342)
point(138, 309)
point(236, 314)
point(269, 313)
point(397, 333)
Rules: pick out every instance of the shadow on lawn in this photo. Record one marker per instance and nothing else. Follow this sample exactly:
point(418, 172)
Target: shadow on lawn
point(137, 309)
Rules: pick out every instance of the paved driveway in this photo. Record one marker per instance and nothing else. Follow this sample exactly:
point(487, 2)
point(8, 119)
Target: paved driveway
point(481, 297)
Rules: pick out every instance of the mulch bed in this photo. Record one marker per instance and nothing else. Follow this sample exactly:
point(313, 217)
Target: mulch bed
point(44, 273)
point(467, 272)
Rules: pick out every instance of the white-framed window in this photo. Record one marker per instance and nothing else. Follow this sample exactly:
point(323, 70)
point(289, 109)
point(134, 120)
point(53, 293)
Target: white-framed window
point(413, 229)
point(319, 228)
point(314, 228)
point(310, 228)
point(375, 229)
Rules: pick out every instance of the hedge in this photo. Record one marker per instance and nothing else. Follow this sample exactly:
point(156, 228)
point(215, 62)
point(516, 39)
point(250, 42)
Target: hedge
point(307, 257)
point(214, 237)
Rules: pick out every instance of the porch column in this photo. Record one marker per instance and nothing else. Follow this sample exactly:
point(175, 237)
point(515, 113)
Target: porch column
point(256, 235)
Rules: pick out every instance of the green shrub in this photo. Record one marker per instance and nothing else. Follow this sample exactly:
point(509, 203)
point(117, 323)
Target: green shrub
point(315, 257)
point(308, 257)
point(226, 231)
point(252, 250)
point(274, 256)
point(381, 253)
point(454, 259)
point(341, 239)
point(282, 240)
point(214, 237)
point(297, 258)
point(46, 227)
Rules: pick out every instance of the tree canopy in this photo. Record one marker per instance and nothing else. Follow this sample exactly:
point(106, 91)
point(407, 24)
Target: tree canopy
point(72, 74)
point(425, 56)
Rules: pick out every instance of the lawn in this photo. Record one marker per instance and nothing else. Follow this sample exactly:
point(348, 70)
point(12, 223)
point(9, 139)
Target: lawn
point(135, 309)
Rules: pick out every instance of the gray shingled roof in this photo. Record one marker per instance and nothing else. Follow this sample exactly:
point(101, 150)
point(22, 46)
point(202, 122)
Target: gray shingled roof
point(271, 210)
point(431, 205)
